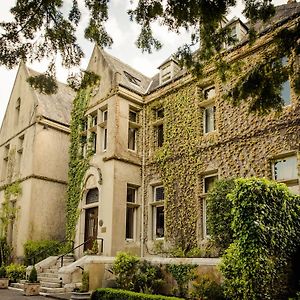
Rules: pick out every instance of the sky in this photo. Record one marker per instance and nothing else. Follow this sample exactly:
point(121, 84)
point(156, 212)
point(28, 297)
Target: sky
point(124, 34)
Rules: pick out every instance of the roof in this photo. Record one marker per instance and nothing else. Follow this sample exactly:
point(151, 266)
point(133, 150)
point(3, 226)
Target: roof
point(282, 14)
point(58, 106)
point(130, 78)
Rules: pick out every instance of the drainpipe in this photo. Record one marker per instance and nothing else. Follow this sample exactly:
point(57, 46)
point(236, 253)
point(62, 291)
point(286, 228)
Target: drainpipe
point(143, 179)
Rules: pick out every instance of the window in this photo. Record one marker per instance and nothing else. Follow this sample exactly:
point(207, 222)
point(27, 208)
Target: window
point(286, 93)
point(92, 196)
point(83, 146)
point(286, 170)
point(20, 151)
point(160, 135)
point(131, 207)
point(5, 161)
point(132, 79)
point(208, 182)
point(209, 116)
point(94, 142)
point(132, 130)
point(104, 129)
point(94, 120)
point(158, 212)
point(209, 92)
point(160, 113)
point(18, 107)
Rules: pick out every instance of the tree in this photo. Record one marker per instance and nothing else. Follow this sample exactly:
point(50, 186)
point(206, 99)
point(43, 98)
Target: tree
point(40, 29)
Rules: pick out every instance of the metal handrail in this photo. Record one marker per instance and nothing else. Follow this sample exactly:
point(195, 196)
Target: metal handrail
point(33, 258)
point(74, 248)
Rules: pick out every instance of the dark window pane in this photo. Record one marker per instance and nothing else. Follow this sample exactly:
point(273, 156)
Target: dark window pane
point(129, 222)
point(160, 135)
point(92, 196)
point(160, 221)
point(131, 194)
point(132, 116)
point(104, 138)
point(159, 193)
point(208, 183)
point(131, 138)
point(160, 113)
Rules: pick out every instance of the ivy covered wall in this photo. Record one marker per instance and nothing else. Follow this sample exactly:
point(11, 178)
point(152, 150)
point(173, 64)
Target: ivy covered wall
point(243, 145)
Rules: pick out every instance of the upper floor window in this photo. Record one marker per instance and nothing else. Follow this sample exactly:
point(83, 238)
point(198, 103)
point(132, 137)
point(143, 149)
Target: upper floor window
point(286, 93)
point(285, 170)
point(132, 130)
point(104, 129)
point(209, 119)
point(160, 113)
point(209, 92)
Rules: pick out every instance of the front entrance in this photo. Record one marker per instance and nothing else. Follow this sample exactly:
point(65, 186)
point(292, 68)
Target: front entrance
point(91, 227)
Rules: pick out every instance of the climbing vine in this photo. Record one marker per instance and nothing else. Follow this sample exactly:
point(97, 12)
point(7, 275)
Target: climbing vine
point(8, 212)
point(79, 161)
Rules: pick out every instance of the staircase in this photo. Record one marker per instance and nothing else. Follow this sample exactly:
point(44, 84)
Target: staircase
point(49, 279)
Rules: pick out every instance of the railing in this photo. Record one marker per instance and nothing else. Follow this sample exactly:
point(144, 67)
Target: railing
point(61, 258)
point(32, 259)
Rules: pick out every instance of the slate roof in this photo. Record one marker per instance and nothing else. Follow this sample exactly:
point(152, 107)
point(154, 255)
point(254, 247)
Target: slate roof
point(282, 14)
point(130, 78)
point(56, 107)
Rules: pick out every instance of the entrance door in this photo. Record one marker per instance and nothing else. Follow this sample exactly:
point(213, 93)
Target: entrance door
point(91, 227)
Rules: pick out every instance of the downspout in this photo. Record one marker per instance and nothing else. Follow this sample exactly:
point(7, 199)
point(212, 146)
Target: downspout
point(143, 179)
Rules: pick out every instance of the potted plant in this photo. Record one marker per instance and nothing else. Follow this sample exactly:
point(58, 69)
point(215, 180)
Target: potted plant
point(82, 293)
point(3, 278)
point(32, 286)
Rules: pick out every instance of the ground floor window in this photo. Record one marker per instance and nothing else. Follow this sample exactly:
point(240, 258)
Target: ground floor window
point(131, 212)
point(158, 212)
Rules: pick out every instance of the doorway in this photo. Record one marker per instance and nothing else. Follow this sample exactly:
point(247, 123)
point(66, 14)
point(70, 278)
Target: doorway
point(91, 227)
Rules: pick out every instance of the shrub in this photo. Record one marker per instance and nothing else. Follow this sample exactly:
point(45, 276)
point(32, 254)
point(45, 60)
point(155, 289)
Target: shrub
point(205, 287)
point(135, 275)
point(33, 275)
point(5, 252)
point(266, 222)
point(125, 268)
point(219, 216)
point(115, 294)
point(2, 272)
point(15, 272)
point(183, 274)
point(36, 251)
point(85, 282)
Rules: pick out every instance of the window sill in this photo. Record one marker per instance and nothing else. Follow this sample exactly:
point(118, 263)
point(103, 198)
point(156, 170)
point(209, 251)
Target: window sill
point(158, 203)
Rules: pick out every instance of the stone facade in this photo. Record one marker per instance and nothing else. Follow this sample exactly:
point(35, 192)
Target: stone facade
point(185, 136)
point(34, 142)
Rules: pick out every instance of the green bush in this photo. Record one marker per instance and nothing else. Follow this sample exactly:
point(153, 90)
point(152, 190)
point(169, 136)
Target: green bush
point(33, 275)
point(36, 251)
point(183, 274)
point(266, 225)
point(135, 275)
point(205, 287)
point(219, 216)
point(115, 294)
point(5, 252)
point(2, 272)
point(85, 282)
point(15, 272)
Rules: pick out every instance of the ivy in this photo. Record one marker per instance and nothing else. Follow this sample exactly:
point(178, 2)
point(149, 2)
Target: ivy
point(9, 212)
point(79, 162)
point(265, 230)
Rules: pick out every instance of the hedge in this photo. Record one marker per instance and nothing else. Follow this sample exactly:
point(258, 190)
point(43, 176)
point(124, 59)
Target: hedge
point(116, 294)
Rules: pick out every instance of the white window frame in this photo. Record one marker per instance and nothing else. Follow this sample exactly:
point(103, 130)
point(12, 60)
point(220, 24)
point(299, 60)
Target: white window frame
point(134, 205)
point(292, 181)
point(156, 204)
point(204, 211)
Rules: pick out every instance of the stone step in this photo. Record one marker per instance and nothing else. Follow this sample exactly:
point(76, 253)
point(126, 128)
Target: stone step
point(49, 279)
point(50, 290)
point(49, 284)
point(52, 270)
point(17, 285)
point(48, 275)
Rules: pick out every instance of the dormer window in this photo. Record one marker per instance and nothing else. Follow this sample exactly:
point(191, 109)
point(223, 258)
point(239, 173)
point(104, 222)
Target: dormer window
point(168, 70)
point(237, 31)
point(132, 79)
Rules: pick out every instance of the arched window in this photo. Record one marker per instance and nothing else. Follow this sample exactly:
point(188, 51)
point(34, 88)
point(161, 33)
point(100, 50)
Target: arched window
point(92, 196)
